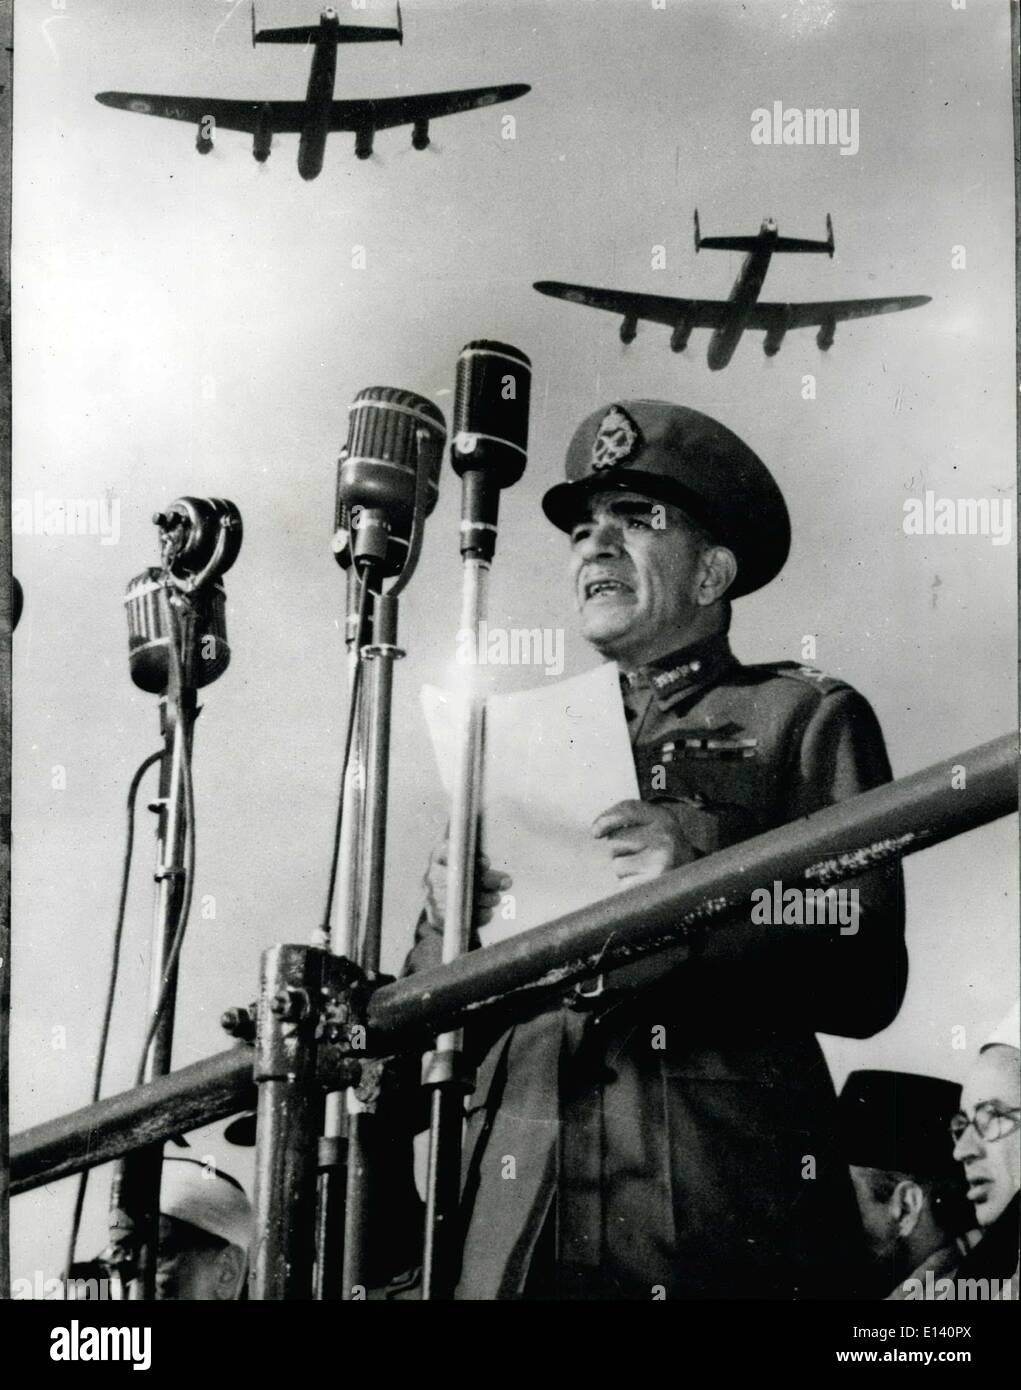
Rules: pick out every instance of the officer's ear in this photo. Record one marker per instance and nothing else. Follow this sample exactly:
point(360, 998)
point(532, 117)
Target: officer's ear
point(719, 570)
point(230, 1273)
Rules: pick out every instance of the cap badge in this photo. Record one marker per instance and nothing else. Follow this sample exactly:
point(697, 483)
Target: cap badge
point(617, 439)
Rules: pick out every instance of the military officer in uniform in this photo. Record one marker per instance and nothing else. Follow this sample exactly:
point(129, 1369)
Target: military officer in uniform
point(673, 1123)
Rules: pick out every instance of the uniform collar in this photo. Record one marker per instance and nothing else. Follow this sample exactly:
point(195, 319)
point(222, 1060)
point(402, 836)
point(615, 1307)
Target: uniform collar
point(670, 677)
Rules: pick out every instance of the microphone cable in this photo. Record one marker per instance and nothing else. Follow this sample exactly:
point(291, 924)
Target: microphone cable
point(115, 958)
point(352, 714)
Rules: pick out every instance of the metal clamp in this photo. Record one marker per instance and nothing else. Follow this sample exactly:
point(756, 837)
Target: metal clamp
point(372, 649)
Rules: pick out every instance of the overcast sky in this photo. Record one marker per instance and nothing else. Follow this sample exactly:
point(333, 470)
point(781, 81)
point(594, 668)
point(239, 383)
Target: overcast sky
point(196, 325)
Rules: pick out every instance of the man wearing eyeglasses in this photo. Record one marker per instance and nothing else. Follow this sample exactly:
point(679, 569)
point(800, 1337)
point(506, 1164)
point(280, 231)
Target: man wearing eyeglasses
point(672, 1123)
point(987, 1143)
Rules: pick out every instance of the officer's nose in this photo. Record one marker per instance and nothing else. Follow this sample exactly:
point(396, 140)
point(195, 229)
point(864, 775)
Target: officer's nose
point(602, 539)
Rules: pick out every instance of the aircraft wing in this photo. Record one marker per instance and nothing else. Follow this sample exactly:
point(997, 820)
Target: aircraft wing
point(285, 116)
point(387, 112)
point(766, 316)
point(657, 308)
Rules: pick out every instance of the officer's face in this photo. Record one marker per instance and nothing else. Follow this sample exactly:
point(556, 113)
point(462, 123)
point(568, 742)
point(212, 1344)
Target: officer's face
point(992, 1166)
point(637, 567)
point(194, 1267)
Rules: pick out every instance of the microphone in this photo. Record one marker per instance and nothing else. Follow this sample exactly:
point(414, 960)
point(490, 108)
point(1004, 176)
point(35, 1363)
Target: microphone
point(392, 437)
point(489, 450)
point(199, 539)
point(206, 651)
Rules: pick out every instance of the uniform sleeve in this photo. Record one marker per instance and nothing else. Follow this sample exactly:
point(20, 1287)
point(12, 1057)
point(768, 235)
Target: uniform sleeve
point(840, 754)
point(850, 984)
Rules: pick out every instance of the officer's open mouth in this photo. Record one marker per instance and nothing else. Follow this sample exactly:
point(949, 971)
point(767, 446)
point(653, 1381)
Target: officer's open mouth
point(596, 588)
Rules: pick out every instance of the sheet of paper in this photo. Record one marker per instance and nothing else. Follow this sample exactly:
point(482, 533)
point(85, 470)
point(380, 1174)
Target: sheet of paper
point(554, 758)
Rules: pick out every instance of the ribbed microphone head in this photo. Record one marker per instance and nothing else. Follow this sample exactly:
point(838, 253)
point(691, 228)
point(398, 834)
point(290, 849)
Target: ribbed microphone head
point(378, 466)
point(207, 652)
point(494, 385)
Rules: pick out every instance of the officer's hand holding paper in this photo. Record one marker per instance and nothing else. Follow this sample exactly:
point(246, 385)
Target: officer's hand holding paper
point(555, 758)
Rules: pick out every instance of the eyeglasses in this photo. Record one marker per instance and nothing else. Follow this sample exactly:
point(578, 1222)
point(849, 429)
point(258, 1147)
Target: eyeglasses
point(991, 1121)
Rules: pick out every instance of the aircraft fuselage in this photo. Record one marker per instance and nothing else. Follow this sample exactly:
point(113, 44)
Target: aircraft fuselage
point(747, 288)
point(318, 100)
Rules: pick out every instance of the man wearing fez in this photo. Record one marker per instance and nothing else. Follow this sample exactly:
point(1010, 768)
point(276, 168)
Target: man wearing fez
point(910, 1193)
point(672, 1122)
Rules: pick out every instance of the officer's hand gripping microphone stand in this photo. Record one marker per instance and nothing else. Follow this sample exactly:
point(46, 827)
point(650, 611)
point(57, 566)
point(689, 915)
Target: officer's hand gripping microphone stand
point(488, 451)
point(177, 643)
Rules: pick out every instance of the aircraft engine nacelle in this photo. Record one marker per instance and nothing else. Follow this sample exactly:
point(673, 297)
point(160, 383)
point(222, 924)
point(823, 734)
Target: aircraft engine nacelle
point(204, 135)
point(262, 140)
point(824, 338)
point(773, 341)
point(363, 142)
point(629, 328)
point(420, 135)
point(679, 337)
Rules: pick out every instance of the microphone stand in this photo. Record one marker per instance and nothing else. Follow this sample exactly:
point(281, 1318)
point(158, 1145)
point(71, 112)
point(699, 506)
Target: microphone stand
point(446, 1070)
point(342, 939)
point(342, 1224)
point(134, 1193)
point(189, 571)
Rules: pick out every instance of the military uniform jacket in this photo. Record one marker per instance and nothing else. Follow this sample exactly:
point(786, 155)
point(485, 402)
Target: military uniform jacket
point(679, 1138)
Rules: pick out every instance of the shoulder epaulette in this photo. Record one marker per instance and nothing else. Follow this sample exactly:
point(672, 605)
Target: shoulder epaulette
point(809, 676)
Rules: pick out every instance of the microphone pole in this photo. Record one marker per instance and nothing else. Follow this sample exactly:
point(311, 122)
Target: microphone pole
point(489, 452)
point(387, 484)
point(177, 644)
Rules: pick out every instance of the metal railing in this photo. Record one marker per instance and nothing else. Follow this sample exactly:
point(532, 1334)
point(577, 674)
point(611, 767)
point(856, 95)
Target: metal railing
point(303, 1045)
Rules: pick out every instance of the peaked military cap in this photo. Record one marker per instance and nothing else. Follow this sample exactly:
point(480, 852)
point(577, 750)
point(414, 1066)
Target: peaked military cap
point(674, 454)
point(899, 1121)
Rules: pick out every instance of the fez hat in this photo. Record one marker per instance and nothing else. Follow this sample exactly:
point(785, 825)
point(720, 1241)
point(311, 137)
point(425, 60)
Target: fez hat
point(900, 1122)
point(674, 454)
point(204, 1197)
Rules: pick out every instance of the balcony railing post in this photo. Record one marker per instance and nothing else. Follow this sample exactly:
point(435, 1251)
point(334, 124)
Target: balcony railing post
point(287, 1123)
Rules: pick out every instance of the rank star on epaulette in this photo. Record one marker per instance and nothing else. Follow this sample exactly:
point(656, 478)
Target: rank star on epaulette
point(617, 439)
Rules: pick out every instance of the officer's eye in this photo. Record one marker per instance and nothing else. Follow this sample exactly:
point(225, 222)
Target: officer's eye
point(638, 523)
point(580, 532)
